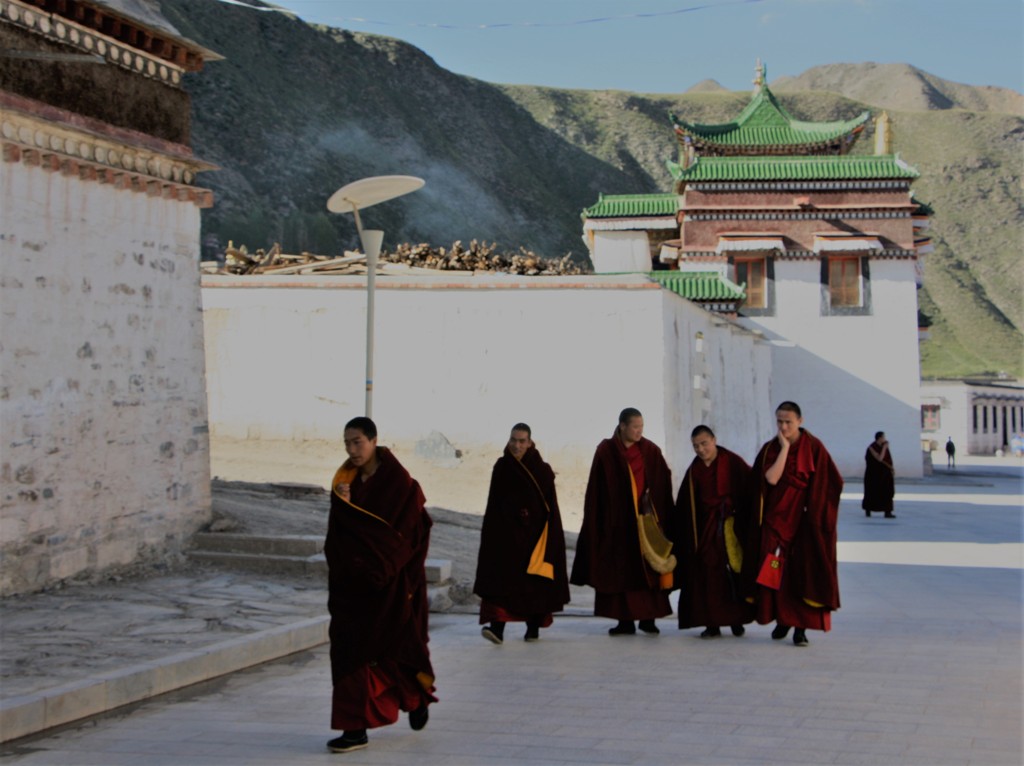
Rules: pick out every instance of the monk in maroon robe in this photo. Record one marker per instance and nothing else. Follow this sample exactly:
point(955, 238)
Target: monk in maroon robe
point(707, 525)
point(879, 478)
point(377, 537)
point(521, 574)
point(628, 477)
point(795, 508)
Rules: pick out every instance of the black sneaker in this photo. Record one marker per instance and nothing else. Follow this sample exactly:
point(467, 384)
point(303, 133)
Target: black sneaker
point(800, 637)
point(418, 718)
point(780, 632)
point(738, 630)
point(711, 633)
point(648, 627)
point(532, 633)
point(349, 741)
point(624, 628)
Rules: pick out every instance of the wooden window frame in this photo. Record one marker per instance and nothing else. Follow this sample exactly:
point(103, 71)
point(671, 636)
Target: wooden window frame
point(863, 307)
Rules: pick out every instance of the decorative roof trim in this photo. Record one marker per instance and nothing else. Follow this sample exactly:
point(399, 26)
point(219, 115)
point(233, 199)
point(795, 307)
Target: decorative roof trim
point(41, 141)
point(859, 185)
point(823, 215)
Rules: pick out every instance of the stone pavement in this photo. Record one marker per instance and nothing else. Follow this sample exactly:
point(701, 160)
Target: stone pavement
point(923, 666)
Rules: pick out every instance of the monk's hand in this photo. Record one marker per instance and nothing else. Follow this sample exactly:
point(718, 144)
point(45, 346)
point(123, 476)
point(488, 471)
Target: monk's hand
point(783, 444)
point(345, 492)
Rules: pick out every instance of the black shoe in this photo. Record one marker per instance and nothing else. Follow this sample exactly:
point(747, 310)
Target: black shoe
point(648, 627)
point(738, 630)
point(532, 633)
point(624, 628)
point(868, 514)
point(349, 741)
point(418, 717)
point(890, 515)
point(495, 632)
point(800, 637)
point(780, 632)
point(710, 632)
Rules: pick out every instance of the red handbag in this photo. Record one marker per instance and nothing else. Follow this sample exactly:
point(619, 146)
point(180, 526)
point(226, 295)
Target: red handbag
point(770, 575)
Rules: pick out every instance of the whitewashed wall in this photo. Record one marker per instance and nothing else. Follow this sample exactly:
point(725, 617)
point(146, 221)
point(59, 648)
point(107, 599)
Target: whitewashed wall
point(105, 454)
point(618, 251)
point(851, 375)
point(470, 356)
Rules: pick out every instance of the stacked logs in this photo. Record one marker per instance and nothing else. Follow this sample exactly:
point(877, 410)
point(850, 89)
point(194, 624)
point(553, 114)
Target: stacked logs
point(480, 256)
point(477, 257)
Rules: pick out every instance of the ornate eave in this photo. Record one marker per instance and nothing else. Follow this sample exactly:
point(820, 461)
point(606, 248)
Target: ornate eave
point(40, 135)
point(98, 29)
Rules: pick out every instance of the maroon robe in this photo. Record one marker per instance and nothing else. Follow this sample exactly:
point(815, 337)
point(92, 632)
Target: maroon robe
point(879, 481)
point(376, 547)
point(608, 556)
point(798, 516)
point(521, 502)
point(710, 592)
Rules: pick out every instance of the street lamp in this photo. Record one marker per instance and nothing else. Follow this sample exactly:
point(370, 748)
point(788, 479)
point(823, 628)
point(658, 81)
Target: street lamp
point(350, 199)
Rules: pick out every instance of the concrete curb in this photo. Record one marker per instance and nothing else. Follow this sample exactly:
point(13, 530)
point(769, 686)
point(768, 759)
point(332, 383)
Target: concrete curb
point(32, 713)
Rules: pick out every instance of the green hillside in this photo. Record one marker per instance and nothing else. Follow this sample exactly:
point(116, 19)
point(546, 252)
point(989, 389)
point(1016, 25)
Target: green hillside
point(296, 111)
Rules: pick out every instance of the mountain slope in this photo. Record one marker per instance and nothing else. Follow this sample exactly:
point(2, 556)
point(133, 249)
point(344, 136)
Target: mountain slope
point(296, 111)
point(902, 87)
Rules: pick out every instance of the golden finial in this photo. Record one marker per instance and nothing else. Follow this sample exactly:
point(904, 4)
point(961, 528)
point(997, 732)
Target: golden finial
point(758, 75)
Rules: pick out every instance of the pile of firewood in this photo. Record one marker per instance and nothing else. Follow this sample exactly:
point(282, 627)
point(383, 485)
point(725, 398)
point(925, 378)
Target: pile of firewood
point(478, 257)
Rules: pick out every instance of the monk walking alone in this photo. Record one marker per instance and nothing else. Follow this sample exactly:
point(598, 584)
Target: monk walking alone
point(710, 514)
point(795, 508)
point(879, 478)
point(521, 574)
point(622, 556)
point(377, 536)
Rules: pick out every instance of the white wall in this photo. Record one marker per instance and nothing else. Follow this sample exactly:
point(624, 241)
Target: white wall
point(102, 403)
point(851, 375)
point(620, 251)
point(469, 356)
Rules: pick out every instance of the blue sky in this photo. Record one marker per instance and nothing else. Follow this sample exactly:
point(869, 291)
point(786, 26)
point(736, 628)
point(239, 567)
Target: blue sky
point(666, 46)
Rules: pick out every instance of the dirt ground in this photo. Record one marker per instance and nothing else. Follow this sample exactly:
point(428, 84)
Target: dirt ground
point(254, 491)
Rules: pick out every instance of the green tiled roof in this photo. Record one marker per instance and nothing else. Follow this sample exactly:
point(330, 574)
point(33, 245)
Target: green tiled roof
point(800, 168)
point(764, 122)
point(633, 206)
point(699, 285)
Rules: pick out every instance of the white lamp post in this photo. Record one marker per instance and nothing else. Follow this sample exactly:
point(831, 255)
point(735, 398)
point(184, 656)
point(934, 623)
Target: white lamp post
point(350, 199)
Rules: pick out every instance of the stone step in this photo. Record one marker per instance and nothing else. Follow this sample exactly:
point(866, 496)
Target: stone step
point(278, 545)
point(263, 563)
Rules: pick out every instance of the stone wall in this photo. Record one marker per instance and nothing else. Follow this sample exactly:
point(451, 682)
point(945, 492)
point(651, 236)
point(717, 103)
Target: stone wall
point(105, 453)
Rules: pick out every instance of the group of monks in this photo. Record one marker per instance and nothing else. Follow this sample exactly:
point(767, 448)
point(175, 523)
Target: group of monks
point(740, 543)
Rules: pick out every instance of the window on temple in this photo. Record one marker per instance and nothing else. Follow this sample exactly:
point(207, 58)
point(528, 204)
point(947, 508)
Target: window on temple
point(930, 417)
point(753, 271)
point(975, 411)
point(845, 285)
point(844, 280)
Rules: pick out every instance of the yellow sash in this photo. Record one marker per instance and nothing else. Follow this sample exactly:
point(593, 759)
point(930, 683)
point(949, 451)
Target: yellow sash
point(654, 546)
point(538, 566)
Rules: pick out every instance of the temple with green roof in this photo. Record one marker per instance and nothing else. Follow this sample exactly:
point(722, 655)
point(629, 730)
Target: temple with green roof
point(803, 234)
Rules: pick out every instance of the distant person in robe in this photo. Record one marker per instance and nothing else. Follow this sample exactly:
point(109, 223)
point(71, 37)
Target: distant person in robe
point(795, 507)
point(521, 573)
point(622, 552)
point(950, 453)
point(377, 536)
point(710, 513)
point(879, 478)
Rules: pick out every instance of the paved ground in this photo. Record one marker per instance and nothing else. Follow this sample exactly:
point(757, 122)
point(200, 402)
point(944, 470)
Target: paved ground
point(923, 666)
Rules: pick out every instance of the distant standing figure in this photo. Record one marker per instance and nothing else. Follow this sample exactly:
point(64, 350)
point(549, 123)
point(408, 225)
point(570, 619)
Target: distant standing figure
point(377, 536)
point(950, 453)
point(795, 508)
point(709, 515)
point(520, 572)
point(629, 478)
point(879, 478)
